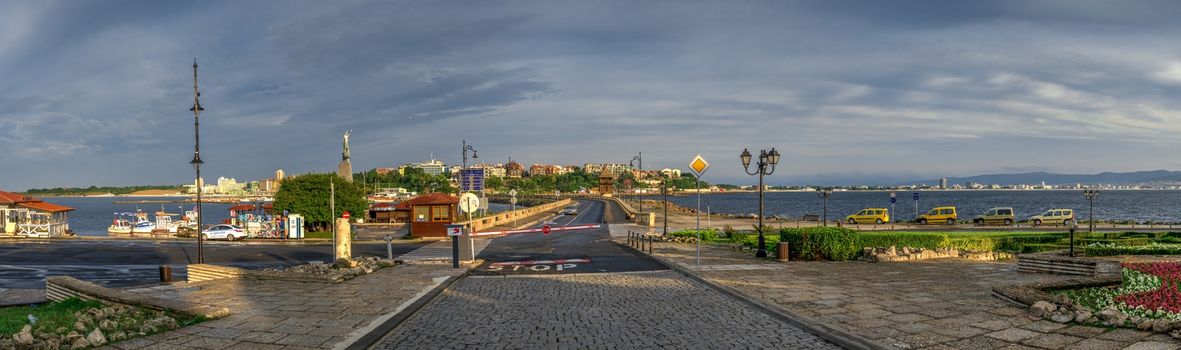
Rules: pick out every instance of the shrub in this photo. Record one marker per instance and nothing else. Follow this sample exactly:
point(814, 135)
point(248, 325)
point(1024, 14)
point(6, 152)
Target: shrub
point(708, 235)
point(904, 239)
point(821, 243)
point(973, 243)
point(1151, 249)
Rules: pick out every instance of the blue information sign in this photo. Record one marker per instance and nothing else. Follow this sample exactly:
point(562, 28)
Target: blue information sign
point(916, 196)
point(471, 180)
point(893, 200)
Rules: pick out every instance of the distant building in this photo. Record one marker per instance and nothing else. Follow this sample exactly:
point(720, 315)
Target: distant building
point(943, 183)
point(26, 216)
point(673, 173)
point(279, 175)
point(496, 170)
point(433, 167)
point(544, 169)
point(385, 171)
point(514, 170)
point(616, 169)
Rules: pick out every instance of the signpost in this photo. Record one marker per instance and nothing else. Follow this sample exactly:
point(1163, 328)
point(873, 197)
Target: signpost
point(471, 180)
point(699, 166)
point(893, 213)
point(545, 230)
point(916, 205)
point(454, 231)
point(513, 201)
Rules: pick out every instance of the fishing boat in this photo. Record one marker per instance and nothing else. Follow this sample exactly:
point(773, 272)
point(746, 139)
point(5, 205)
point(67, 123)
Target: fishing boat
point(164, 224)
point(120, 226)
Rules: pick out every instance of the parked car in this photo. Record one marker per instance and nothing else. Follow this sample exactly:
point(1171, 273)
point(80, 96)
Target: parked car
point(939, 214)
point(999, 215)
point(1053, 216)
point(226, 232)
point(867, 215)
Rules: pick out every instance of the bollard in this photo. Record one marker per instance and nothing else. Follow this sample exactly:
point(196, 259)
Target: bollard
point(165, 273)
point(389, 247)
point(782, 252)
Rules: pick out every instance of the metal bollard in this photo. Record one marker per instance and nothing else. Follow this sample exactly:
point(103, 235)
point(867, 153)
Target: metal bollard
point(165, 274)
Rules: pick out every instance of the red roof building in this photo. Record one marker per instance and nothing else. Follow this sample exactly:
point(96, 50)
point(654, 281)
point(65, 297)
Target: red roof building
point(21, 215)
point(431, 213)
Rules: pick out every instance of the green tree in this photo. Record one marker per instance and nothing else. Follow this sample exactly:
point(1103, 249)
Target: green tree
point(308, 194)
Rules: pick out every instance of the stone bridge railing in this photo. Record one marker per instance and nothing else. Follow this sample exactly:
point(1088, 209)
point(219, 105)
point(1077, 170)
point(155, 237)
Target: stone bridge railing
point(490, 221)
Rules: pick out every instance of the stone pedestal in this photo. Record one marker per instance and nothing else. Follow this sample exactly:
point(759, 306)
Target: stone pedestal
point(467, 248)
point(345, 170)
point(646, 219)
point(344, 239)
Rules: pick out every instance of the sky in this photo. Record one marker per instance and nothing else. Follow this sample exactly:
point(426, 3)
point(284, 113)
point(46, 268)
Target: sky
point(98, 92)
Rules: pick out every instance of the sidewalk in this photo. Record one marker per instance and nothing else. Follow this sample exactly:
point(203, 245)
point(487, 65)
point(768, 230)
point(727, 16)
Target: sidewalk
point(939, 304)
point(290, 315)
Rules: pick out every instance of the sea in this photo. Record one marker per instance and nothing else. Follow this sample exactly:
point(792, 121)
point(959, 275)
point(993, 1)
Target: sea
point(92, 215)
point(1157, 206)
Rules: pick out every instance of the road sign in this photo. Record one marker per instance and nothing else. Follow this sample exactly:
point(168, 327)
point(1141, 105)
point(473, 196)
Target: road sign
point(512, 193)
point(468, 202)
point(916, 196)
point(893, 200)
point(545, 230)
point(344, 215)
point(699, 165)
point(471, 180)
point(512, 200)
point(455, 230)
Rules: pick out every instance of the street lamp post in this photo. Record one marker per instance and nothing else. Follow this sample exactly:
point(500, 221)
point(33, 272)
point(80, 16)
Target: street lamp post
point(466, 147)
point(640, 159)
point(196, 162)
point(824, 193)
point(664, 191)
point(765, 166)
point(1091, 194)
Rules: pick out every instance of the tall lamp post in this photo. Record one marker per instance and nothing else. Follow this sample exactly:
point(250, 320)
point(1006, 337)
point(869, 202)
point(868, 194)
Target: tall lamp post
point(824, 193)
point(765, 166)
point(196, 162)
point(664, 191)
point(640, 159)
point(466, 147)
point(1091, 194)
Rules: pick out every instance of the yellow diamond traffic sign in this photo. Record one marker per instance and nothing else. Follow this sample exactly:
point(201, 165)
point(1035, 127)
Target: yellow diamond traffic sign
point(699, 165)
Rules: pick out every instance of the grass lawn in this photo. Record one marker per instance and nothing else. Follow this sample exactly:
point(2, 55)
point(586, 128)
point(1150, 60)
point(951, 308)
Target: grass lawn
point(51, 315)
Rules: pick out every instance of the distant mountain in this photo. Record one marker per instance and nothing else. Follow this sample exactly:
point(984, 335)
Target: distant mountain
point(1107, 178)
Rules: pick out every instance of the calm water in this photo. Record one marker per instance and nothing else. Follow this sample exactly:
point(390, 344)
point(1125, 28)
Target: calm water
point(94, 214)
point(1138, 205)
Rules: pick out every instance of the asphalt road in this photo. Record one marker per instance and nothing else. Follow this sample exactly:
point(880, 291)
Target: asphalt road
point(134, 262)
point(564, 252)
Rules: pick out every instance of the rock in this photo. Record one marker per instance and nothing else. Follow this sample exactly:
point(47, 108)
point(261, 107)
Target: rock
point(1176, 334)
point(80, 343)
point(1081, 315)
point(1062, 299)
point(53, 344)
point(72, 336)
point(24, 337)
point(1144, 324)
point(118, 336)
point(867, 251)
point(96, 337)
point(1161, 325)
point(108, 325)
point(1041, 308)
point(891, 251)
point(1061, 317)
point(80, 327)
point(906, 251)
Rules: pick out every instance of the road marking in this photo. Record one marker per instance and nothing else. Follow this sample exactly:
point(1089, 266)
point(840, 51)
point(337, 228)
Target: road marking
point(532, 230)
point(540, 262)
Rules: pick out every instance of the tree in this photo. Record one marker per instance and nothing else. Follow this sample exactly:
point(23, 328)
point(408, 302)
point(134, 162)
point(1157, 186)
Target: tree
point(308, 194)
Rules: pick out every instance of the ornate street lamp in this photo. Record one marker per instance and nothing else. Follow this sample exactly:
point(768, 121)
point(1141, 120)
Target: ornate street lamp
point(1091, 194)
point(824, 193)
point(196, 162)
point(765, 166)
point(466, 147)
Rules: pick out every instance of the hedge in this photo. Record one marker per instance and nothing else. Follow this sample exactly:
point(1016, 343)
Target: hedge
point(821, 243)
point(914, 240)
point(1153, 249)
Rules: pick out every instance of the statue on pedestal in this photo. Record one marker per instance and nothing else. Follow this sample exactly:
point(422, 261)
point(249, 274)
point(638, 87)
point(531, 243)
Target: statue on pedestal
point(345, 170)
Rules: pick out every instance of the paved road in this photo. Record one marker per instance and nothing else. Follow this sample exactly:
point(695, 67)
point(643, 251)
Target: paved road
point(631, 303)
point(132, 262)
point(574, 251)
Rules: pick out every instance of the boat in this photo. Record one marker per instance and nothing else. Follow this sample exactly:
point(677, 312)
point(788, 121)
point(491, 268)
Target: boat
point(120, 226)
point(164, 223)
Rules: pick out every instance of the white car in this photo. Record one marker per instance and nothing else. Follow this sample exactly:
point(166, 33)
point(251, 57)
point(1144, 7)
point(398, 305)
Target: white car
point(226, 232)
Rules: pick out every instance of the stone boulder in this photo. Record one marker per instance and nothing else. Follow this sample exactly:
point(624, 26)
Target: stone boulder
point(1041, 308)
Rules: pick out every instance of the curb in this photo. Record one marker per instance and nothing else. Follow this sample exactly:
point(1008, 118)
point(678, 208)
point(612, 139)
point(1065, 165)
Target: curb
point(841, 338)
point(375, 335)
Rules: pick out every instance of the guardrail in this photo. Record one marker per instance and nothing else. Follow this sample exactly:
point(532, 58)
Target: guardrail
point(509, 216)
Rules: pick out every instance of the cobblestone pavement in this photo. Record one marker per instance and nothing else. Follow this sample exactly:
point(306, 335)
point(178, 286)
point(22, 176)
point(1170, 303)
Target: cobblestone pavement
point(661, 309)
point(290, 315)
point(939, 304)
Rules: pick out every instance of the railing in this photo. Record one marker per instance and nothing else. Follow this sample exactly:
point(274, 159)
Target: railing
point(43, 229)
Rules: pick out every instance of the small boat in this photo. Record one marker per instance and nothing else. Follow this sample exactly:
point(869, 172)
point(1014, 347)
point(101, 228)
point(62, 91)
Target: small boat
point(164, 223)
point(143, 227)
point(119, 226)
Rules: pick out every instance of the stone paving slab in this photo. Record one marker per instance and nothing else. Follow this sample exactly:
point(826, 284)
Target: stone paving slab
point(269, 314)
point(16, 296)
point(936, 304)
point(645, 310)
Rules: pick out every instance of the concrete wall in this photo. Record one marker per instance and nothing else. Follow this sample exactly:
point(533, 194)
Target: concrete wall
point(483, 223)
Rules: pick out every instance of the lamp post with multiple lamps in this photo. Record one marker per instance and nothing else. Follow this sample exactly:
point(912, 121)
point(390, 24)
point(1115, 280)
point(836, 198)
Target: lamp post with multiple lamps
point(1091, 194)
point(196, 162)
point(765, 166)
point(640, 159)
point(824, 193)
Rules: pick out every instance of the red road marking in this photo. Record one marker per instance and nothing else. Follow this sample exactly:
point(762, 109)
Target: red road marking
point(541, 262)
point(531, 230)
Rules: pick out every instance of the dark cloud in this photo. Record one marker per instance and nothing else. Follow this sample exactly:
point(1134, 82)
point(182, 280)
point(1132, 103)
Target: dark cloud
point(846, 89)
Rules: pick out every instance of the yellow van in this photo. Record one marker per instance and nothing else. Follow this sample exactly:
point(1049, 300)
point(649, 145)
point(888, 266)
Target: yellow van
point(1053, 217)
point(939, 214)
point(868, 215)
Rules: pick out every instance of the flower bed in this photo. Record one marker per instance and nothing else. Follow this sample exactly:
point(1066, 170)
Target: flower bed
point(77, 324)
point(1148, 298)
